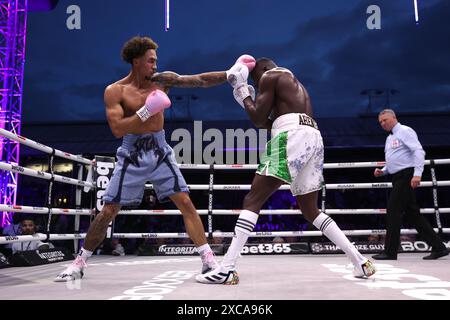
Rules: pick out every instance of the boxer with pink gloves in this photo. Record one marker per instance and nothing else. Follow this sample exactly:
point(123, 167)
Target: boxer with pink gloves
point(135, 108)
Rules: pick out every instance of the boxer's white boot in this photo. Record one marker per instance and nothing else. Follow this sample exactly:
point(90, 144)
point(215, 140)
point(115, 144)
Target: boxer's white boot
point(364, 270)
point(209, 262)
point(220, 275)
point(73, 272)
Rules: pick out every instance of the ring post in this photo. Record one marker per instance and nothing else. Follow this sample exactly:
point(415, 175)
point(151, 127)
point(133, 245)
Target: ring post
point(435, 196)
point(49, 196)
point(210, 200)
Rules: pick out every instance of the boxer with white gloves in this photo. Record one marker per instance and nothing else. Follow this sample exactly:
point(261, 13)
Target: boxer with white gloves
point(242, 92)
point(237, 77)
point(238, 73)
point(294, 156)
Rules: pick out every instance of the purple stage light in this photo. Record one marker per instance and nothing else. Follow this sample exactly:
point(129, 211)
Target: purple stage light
point(13, 20)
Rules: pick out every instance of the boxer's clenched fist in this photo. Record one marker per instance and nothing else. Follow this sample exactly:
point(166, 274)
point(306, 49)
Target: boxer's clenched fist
point(156, 101)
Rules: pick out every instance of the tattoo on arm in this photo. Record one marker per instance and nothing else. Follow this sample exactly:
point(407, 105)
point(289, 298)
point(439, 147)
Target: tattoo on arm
point(172, 79)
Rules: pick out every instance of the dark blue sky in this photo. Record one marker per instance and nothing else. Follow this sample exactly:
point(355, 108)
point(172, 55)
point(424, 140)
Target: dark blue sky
point(324, 42)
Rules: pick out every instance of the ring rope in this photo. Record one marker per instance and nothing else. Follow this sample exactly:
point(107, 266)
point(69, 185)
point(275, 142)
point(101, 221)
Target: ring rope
point(210, 187)
point(43, 175)
point(331, 186)
point(259, 234)
point(87, 212)
point(338, 165)
point(41, 147)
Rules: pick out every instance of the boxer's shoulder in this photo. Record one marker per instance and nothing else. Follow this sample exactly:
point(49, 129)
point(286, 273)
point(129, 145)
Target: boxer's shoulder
point(269, 78)
point(278, 72)
point(114, 90)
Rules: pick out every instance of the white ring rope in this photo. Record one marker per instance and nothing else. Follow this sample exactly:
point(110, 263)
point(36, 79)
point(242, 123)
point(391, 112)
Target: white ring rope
point(43, 175)
point(44, 210)
point(159, 212)
point(77, 158)
point(41, 237)
point(340, 165)
point(331, 186)
point(178, 235)
point(41, 210)
point(41, 147)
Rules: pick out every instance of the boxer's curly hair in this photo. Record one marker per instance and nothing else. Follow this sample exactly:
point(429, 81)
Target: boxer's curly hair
point(136, 47)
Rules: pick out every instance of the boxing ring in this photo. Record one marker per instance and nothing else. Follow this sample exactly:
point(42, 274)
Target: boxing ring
point(263, 277)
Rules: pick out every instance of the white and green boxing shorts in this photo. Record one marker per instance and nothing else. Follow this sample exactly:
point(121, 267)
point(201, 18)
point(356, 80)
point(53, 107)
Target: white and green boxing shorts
point(295, 153)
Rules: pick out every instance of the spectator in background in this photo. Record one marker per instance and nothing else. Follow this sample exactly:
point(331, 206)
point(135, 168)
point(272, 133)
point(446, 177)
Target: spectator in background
point(217, 240)
point(118, 249)
point(29, 228)
point(13, 229)
point(278, 240)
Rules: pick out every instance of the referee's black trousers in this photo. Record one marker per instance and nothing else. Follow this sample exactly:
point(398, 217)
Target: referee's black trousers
point(402, 200)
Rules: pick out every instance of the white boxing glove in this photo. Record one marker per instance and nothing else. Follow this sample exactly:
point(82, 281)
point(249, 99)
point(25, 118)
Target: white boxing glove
point(248, 60)
point(242, 92)
point(237, 75)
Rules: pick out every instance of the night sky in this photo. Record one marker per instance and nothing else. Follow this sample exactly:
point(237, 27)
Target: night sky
point(324, 42)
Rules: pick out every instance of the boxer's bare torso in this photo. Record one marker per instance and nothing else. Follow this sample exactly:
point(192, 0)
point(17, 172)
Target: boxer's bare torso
point(124, 97)
point(279, 93)
point(290, 96)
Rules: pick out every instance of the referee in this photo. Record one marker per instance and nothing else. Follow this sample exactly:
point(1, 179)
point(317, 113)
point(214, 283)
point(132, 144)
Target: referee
point(405, 159)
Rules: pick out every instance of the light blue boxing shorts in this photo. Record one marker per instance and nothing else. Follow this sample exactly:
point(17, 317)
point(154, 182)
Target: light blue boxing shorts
point(140, 159)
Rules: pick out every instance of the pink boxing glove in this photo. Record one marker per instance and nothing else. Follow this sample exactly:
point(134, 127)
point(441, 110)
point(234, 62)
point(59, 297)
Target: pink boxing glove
point(156, 101)
point(248, 61)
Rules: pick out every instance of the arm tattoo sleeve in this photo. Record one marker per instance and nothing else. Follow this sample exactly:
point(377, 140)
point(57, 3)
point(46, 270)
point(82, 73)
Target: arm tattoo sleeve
point(171, 79)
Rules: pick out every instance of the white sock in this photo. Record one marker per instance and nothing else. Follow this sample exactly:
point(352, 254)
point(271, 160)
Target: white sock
point(331, 230)
point(203, 250)
point(244, 226)
point(85, 254)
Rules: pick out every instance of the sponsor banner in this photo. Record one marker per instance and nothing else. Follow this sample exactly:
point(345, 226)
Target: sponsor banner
point(329, 247)
point(176, 250)
point(275, 248)
point(417, 246)
point(38, 257)
point(371, 247)
point(103, 170)
point(220, 249)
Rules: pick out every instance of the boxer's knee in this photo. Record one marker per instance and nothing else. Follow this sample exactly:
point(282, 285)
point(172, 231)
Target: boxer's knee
point(309, 210)
point(184, 204)
point(310, 215)
point(182, 200)
point(308, 207)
